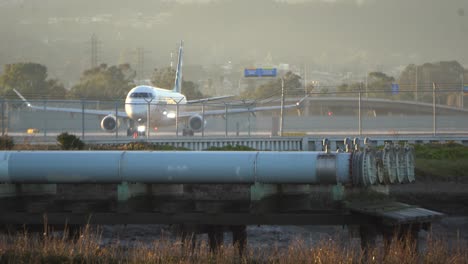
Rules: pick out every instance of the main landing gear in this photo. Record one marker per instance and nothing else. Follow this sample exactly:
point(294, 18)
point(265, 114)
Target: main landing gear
point(187, 132)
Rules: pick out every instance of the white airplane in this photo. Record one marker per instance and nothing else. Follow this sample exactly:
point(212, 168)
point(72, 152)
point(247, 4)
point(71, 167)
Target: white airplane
point(161, 104)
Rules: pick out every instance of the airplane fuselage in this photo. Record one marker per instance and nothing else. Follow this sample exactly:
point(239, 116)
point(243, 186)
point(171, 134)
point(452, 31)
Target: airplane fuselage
point(162, 103)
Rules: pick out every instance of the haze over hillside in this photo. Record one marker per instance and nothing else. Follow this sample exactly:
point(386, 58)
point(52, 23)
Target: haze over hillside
point(345, 35)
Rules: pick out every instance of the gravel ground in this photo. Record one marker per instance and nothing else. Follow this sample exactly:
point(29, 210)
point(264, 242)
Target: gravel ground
point(448, 197)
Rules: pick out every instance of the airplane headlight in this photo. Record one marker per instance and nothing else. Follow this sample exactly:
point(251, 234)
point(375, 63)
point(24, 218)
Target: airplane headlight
point(164, 112)
point(171, 115)
point(141, 128)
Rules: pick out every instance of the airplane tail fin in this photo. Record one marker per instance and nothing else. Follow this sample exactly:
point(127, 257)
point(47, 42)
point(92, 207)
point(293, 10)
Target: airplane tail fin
point(178, 78)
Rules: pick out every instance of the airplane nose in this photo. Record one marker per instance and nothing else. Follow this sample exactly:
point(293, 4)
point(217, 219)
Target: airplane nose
point(135, 110)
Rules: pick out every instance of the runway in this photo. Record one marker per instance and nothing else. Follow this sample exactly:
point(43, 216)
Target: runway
point(48, 125)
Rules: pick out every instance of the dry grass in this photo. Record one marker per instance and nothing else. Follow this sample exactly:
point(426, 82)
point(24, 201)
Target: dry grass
point(87, 248)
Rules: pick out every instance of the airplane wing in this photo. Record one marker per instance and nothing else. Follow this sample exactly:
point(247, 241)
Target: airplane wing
point(71, 110)
point(209, 99)
point(122, 114)
point(253, 109)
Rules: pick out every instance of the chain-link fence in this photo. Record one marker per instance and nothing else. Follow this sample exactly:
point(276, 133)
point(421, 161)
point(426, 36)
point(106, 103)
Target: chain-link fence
point(353, 113)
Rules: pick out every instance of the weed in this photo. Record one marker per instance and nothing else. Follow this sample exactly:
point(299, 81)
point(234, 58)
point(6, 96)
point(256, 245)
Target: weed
point(87, 248)
point(6, 142)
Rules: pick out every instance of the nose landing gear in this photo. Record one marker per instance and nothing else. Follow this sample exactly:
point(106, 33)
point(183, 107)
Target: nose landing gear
point(135, 130)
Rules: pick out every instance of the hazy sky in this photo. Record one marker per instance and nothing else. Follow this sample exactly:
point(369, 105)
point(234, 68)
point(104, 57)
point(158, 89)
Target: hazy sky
point(351, 33)
point(373, 31)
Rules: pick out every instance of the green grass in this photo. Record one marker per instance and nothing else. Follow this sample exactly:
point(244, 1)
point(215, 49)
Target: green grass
point(442, 170)
point(445, 151)
point(441, 162)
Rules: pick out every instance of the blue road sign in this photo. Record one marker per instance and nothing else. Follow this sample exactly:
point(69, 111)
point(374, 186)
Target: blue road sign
point(260, 72)
point(250, 73)
point(271, 72)
point(395, 88)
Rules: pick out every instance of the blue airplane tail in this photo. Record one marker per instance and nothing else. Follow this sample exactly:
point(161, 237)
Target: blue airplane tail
point(178, 78)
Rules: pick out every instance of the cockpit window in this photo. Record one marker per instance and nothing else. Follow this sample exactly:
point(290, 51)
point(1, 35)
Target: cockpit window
point(141, 95)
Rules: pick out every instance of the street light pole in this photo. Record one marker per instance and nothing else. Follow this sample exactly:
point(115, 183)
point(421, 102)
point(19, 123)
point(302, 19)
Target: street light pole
point(226, 119)
point(282, 107)
point(367, 84)
point(148, 120)
point(462, 89)
point(248, 117)
point(416, 84)
point(359, 112)
point(434, 127)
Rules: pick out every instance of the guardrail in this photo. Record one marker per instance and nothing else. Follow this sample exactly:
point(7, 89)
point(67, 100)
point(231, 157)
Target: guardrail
point(282, 143)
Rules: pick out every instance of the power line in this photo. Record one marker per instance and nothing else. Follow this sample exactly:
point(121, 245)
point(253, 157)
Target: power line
point(140, 64)
point(94, 51)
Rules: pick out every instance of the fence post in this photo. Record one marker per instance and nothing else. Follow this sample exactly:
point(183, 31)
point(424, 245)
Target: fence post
point(3, 117)
point(203, 117)
point(282, 107)
point(82, 119)
point(359, 112)
point(116, 119)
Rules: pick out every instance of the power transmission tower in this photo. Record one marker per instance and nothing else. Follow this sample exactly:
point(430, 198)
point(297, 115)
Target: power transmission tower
point(172, 63)
point(140, 67)
point(140, 63)
point(94, 51)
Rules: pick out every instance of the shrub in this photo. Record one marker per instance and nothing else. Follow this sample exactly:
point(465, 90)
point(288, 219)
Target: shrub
point(69, 142)
point(6, 142)
point(231, 148)
point(148, 146)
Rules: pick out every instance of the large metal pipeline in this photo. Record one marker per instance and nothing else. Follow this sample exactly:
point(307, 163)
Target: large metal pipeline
point(183, 167)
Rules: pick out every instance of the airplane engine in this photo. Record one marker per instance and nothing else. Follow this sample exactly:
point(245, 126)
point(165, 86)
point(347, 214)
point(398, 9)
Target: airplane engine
point(109, 123)
point(196, 123)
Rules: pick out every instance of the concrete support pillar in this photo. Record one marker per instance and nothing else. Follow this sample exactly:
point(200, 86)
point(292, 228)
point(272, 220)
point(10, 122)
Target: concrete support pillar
point(215, 237)
point(239, 238)
point(368, 234)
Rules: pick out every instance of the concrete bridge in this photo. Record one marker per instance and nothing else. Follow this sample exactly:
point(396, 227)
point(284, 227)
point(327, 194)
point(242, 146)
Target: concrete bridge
point(375, 107)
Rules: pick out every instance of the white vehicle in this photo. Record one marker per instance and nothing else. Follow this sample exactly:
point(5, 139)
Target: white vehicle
point(157, 100)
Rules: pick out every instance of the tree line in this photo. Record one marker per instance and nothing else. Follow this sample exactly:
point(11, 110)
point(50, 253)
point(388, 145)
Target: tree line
point(113, 83)
point(415, 83)
point(101, 83)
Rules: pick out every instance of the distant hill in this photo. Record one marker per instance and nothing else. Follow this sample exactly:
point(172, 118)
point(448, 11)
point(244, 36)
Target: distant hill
point(342, 35)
